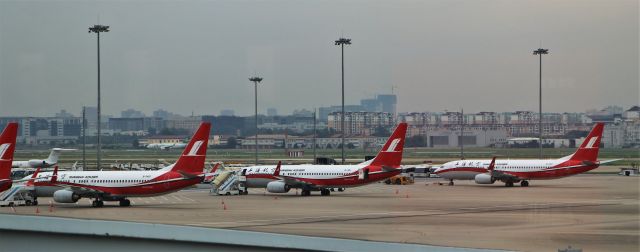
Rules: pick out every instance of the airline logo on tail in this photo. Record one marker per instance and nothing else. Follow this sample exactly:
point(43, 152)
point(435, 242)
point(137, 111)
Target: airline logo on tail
point(393, 145)
point(3, 148)
point(195, 148)
point(591, 142)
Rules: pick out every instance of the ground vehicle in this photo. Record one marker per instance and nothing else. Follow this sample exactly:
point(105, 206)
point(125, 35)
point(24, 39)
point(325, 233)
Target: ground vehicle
point(399, 180)
point(18, 196)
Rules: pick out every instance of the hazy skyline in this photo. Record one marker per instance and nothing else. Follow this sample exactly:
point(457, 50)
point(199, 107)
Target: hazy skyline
point(197, 56)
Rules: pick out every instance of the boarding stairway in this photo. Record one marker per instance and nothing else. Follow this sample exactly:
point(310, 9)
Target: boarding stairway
point(226, 183)
point(17, 193)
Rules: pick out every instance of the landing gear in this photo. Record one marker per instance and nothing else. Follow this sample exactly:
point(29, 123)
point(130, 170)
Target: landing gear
point(125, 203)
point(305, 193)
point(325, 192)
point(524, 183)
point(341, 189)
point(451, 182)
point(97, 203)
point(508, 184)
point(333, 189)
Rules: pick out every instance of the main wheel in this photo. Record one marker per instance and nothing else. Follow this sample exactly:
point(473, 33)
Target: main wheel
point(28, 203)
point(35, 202)
point(388, 181)
point(451, 182)
point(325, 192)
point(97, 203)
point(508, 184)
point(305, 193)
point(340, 189)
point(524, 183)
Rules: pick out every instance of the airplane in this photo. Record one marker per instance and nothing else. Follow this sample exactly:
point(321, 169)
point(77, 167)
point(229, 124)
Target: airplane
point(7, 148)
point(100, 186)
point(323, 178)
point(522, 171)
point(166, 146)
point(42, 163)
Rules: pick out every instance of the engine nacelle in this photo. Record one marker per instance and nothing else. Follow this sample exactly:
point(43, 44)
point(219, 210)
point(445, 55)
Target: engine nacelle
point(484, 179)
point(37, 163)
point(278, 187)
point(65, 196)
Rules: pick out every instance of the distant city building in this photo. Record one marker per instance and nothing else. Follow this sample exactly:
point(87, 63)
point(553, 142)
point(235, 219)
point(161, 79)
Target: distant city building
point(161, 113)
point(302, 113)
point(323, 112)
point(136, 124)
point(131, 113)
point(63, 114)
point(187, 123)
point(227, 112)
point(361, 123)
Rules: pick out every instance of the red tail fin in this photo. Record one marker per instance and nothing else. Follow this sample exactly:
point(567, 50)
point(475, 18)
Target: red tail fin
point(192, 159)
point(588, 150)
point(32, 181)
point(7, 147)
point(492, 165)
point(391, 153)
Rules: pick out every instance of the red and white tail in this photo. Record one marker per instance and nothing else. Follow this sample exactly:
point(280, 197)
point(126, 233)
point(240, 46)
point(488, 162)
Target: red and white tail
point(193, 157)
point(588, 150)
point(391, 153)
point(7, 147)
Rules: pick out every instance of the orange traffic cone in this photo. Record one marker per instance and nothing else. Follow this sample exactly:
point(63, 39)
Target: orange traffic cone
point(50, 206)
point(224, 206)
point(37, 210)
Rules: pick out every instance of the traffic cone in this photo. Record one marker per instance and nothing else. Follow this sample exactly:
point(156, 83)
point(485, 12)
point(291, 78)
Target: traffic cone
point(37, 210)
point(224, 206)
point(13, 209)
point(50, 206)
point(222, 201)
point(397, 191)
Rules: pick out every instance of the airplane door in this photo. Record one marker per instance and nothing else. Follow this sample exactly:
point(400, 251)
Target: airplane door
point(363, 174)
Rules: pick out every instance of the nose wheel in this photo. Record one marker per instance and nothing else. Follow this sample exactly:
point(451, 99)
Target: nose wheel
point(451, 182)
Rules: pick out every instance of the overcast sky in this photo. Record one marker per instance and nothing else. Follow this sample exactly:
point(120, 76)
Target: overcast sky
point(196, 56)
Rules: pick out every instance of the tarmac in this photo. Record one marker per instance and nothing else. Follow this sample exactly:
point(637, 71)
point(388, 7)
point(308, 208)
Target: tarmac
point(592, 212)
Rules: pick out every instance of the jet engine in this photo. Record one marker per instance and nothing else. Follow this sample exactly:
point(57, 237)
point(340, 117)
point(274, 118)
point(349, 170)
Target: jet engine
point(65, 196)
point(38, 163)
point(484, 179)
point(278, 187)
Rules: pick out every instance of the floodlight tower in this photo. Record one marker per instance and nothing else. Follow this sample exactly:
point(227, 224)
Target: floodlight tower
point(540, 52)
point(98, 29)
point(255, 81)
point(342, 42)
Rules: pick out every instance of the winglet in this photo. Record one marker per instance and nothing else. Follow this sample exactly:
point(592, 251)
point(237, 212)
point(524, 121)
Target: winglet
point(32, 180)
point(492, 165)
point(276, 173)
point(54, 177)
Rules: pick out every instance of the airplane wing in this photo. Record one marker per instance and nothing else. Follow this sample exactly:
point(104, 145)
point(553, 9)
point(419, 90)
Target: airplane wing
point(497, 174)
